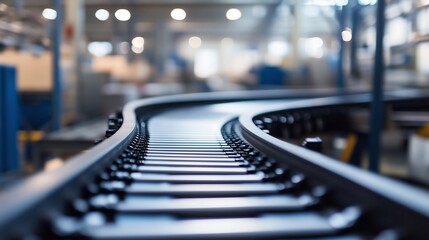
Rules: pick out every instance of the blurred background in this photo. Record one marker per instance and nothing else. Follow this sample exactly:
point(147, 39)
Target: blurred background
point(79, 60)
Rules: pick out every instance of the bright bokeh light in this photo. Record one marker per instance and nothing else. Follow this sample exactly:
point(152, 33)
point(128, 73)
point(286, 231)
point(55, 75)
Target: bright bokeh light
point(313, 47)
point(346, 35)
point(194, 42)
point(49, 13)
point(233, 14)
point(367, 2)
point(124, 47)
point(138, 42)
point(137, 50)
point(206, 63)
point(227, 42)
point(178, 14)
point(278, 48)
point(364, 2)
point(100, 49)
point(327, 2)
point(102, 14)
point(123, 15)
point(341, 2)
point(316, 42)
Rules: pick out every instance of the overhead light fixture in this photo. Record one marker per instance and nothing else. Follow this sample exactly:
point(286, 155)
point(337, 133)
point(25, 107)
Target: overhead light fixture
point(137, 50)
point(367, 2)
point(138, 42)
point(102, 14)
point(178, 14)
point(341, 2)
point(346, 35)
point(123, 15)
point(100, 49)
point(194, 42)
point(327, 2)
point(49, 13)
point(233, 14)
point(364, 2)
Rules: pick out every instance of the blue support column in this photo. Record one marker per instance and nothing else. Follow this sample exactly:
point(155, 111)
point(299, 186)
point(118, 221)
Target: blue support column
point(2, 120)
point(354, 44)
point(9, 122)
point(57, 32)
point(340, 66)
point(377, 108)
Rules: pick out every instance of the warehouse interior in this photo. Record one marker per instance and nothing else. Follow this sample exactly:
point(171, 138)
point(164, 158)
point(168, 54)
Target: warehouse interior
point(76, 62)
point(226, 119)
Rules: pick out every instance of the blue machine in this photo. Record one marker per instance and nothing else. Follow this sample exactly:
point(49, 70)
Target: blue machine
point(9, 115)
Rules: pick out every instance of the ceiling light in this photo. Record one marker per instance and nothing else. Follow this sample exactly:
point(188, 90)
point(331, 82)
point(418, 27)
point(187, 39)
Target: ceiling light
point(178, 14)
point(137, 50)
point(233, 14)
point(364, 2)
point(346, 35)
point(123, 15)
point(341, 2)
point(138, 42)
point(194, 42)
point(49, 13)
point(367, 2)
point(100, 49)
point(327, 2)
point(102, 14)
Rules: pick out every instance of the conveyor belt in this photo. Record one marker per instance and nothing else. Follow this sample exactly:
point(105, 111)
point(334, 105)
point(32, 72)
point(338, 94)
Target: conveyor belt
point(203, 210)
point(190, 169)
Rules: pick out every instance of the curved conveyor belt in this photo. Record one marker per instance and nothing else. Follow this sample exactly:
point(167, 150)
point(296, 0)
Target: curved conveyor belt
point(188, 168)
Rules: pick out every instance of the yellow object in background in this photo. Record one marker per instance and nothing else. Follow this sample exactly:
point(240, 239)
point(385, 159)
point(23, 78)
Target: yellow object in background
point(424, 131)
point(348, 150)
point(30, 136)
